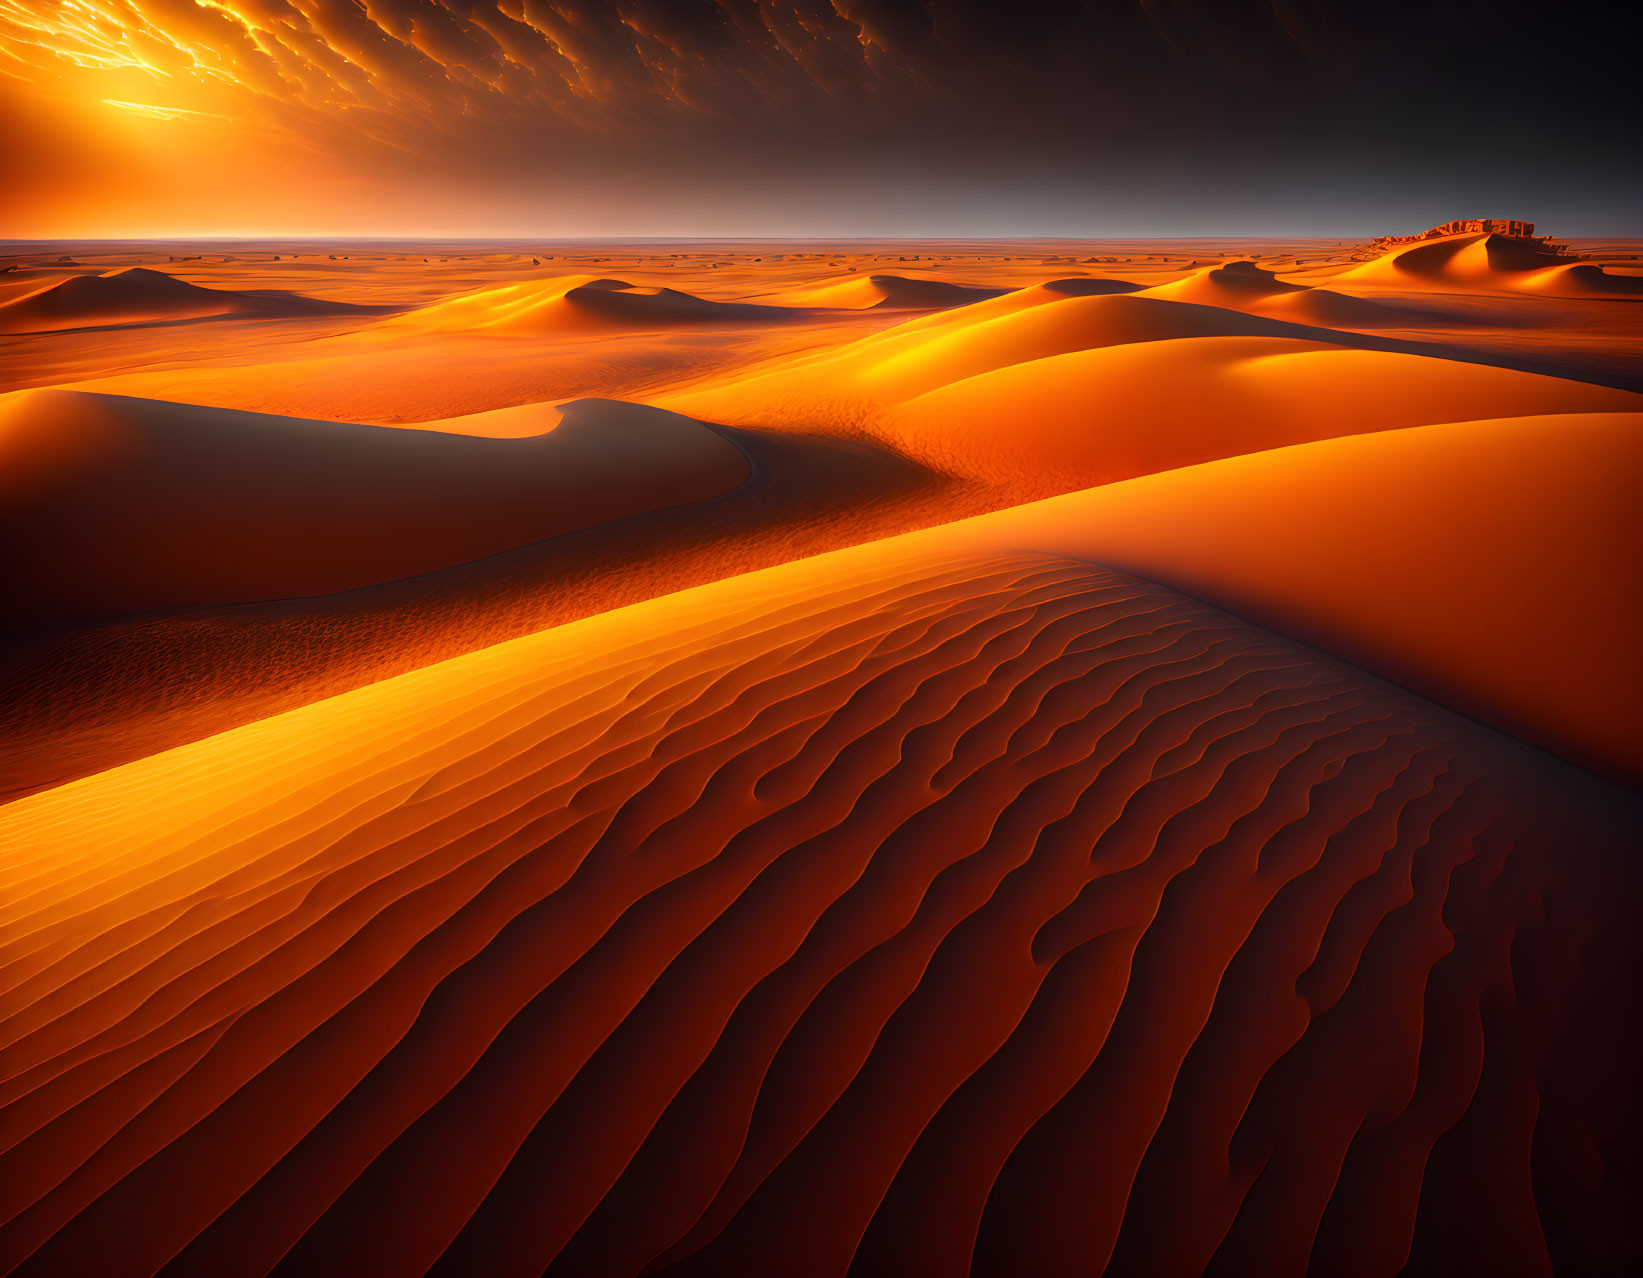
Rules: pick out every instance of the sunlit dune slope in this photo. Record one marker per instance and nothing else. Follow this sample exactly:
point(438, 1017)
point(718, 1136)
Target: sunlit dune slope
point(1232, 284)
point(1245, 286)
point(1057, 393)
point(579, 304)
point(1581, 279)
point(889, 292)
point(114, 505)
point(1007, 302)
point(1327, 308)
point(934, 350)
point(1112, 413)
point(903, 363)
point(75, 704)
point(139, 294)
point(921, 908)
point(1496, 566)
point(1491, 262)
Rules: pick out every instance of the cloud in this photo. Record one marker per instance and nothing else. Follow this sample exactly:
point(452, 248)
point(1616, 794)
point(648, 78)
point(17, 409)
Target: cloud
point(749, 89)
point(160, 112)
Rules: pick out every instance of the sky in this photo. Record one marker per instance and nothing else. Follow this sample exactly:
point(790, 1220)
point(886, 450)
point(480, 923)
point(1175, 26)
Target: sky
point(1097, 118)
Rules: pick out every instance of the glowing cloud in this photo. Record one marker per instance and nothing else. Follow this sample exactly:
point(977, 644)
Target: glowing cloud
point(159, 112)
point(927, 103)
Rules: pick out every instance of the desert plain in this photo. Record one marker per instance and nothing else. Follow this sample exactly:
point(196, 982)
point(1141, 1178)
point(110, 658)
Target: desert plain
point(909, 757)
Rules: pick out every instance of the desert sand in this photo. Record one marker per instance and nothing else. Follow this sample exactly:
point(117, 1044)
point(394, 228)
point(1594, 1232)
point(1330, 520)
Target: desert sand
point(877, 758)
point(132, 505)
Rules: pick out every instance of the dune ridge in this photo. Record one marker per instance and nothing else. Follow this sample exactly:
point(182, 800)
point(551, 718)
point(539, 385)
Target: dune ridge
point(581, 304)
point(1226, 284)
point(883, 292)
point(139, 294)
point(1492, 261)
point(1409, 553)
point(1052, 392)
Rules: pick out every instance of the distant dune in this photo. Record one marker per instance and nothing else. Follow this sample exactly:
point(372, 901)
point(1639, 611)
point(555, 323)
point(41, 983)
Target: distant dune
point(1474, 260)
point(1581, 279)
point(581, 304)
point(120, 505)
point(889, 292)
point(1055, 393)
point(138, 294)
point(1094, 416)
point(1234, 284)
point(953, 904)
point(1329, 309)
point(1244, 286)
point(1016, 327)
point(1492, 262)
point(895, 369)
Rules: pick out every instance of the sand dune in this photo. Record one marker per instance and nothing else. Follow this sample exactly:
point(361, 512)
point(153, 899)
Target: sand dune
point(1061, 394)
point(893, 369)
point(1455, 260)
point(945, 905)
point(889, 292)
point(1581, 279)
point(1086, 286)
point(118, 505)
point(1492, 262)
point(1326, 308)
point(1015, 328)
point(1233, 284)
point(75, 704)
point(1449, 558)
point(580, 304)
point(1245, 286)
point(138, 294)
point(1116, 412)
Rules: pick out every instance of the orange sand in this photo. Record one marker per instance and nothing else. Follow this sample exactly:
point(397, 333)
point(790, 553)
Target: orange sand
point(743, 759)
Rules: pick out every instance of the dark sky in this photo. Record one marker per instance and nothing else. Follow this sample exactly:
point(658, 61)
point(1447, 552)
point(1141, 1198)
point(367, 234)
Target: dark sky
point(869, 117)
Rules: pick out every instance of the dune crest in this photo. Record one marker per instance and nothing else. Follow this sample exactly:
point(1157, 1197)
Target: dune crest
point(886, 292)
point(1017, 327)
point(1581, 279)
point(140, 294)
point(1065, 393)
point(581, 304)
point(1493, 262)
point(1232, 284)
point(1412, 553)
point(1327, 308)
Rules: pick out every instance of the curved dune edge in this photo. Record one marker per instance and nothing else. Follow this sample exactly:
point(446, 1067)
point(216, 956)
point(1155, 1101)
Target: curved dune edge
point(1493, 263)
point(918, 907)
point(119, 506)
point(886, 292)
point(1229, 284)
point(1062, 392)
point(1117, 412)
point(139, 294)
point(1490, 565)
point(931, 351)
point(578, 304)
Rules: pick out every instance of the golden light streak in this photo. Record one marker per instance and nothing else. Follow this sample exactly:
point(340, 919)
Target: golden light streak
point(163, 113)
